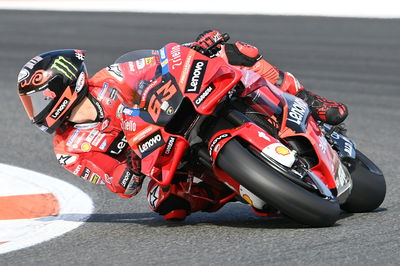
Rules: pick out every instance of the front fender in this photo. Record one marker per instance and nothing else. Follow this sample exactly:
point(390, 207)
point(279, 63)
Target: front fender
point(257, 137)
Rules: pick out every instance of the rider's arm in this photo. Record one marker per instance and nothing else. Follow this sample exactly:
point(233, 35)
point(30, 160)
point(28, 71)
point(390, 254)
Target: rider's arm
point(99, 168)
point(246, 56)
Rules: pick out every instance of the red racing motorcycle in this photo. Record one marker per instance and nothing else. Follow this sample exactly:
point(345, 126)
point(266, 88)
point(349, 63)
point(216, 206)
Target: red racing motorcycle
point(236, 130)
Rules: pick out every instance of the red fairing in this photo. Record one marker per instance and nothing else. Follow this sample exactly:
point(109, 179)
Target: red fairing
point(151, 141)
point(214, 84)
point(160, 152)
point(97, 151)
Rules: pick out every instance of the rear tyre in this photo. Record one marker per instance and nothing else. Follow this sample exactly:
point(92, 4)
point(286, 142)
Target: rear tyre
point(292, 200)
point(369, 186)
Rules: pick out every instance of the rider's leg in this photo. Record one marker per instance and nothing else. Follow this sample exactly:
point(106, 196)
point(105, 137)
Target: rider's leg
point(182, 198)
point(246, 56)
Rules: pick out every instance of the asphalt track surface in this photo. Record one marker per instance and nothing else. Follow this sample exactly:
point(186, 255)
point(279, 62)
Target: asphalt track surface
point(352, 60)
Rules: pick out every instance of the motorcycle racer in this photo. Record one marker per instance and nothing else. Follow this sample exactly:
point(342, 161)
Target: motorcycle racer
point(89, 140)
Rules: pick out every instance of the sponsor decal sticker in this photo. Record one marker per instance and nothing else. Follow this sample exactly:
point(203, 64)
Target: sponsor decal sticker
point(282, 150)
point(200, 99)
point(149, 60)
point(103, 91)
point(98, 139)
point(33, 62)
point(196, 76)
point(95, 179)
point(65, 66)
point(23, 74)
point(64, 159)
point(263, 136)
point(142, 133)
point(216, 140)
point(126, 177)
point(297, 112)
point(170, 145)
point(131, 66)
point(170, 111)
point(103, 145)
point(86, 147)
point(80, 55)
point(164, 60)
point(129, 125)
point(60, 108)
point(77, 169)
point(43, 128)
point(86, 173)
point(151, 143)
point(153, 197)
point(118, 145)
point(176, 57)
point(99, 108)
point(252, 199)
point(115, 71)
point(73, 137)
point(113, 94)
point(108, 179)
point(91, 135)
point(130, 111)
point(280, 153)
point(140, 64)
point(105, 124)
point(348, 147)
point(80, 82)
point(186, 68)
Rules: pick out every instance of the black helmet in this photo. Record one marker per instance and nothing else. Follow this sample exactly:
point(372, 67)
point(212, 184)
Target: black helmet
point(51, 84)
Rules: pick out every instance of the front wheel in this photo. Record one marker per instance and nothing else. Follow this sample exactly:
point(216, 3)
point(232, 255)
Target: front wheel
point(266, 183)
point(369, 186)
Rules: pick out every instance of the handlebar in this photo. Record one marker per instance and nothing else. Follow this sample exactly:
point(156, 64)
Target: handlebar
point(223, 40)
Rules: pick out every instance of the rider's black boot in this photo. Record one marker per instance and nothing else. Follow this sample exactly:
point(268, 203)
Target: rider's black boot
point(324, 110)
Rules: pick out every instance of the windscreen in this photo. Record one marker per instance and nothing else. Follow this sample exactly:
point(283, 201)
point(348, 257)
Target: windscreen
point(136, 55)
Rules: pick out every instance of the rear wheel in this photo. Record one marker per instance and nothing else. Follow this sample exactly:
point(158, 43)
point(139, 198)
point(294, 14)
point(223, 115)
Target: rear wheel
point(266, 183)
point(369, 186)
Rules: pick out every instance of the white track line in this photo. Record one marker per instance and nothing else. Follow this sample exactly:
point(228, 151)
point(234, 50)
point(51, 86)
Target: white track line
point(75, 208)
point(338, 8)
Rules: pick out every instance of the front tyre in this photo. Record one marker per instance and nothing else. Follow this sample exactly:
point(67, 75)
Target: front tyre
point(266, 183)
point(369, 186)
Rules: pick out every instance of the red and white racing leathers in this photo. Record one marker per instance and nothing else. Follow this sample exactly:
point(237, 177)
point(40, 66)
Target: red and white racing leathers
point(97, 151)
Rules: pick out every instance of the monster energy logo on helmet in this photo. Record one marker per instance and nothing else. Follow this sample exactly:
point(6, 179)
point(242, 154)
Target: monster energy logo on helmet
point(65, 66)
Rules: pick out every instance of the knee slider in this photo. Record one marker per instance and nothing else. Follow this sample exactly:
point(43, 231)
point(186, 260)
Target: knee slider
point(163, 201)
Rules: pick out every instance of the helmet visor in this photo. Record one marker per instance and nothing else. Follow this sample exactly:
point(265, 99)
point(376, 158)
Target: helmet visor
point(36, 102)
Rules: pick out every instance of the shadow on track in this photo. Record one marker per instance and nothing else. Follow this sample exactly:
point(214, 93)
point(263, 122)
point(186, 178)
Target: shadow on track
point(229, 217)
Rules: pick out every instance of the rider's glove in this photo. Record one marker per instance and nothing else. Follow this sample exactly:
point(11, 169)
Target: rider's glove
point(209, 42)
point(134, 184)
point(124, 181)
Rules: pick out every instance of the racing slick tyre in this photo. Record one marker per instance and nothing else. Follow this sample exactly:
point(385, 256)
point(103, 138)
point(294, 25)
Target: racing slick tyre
point(369, 186)
point(291, 199)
